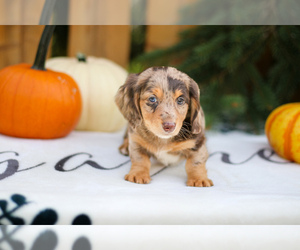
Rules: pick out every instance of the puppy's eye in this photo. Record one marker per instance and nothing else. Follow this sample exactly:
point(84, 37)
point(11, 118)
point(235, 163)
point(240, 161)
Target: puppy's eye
point(180, 100)
point(152, 99)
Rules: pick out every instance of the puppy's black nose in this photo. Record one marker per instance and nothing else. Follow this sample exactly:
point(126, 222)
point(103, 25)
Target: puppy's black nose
point(169, 126)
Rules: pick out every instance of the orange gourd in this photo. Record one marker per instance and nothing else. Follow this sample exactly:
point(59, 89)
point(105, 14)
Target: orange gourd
point(283, 131)
point(35, 102)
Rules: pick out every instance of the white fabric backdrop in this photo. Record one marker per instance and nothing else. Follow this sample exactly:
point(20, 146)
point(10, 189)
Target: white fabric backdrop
point(261, 189)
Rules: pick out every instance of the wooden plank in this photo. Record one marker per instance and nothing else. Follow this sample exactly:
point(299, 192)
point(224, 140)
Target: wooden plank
point(81, 12)
point(12, 56)
point(31, 35)
point(80, 39)
point(165, 12)
point(31, 11)
point(163, 36)
point(2, 12)
point(19, 43)
point(20, 12)
point(11, 12)
point(2, 36)
point(109, 41)
point(95, 12)
point(118, 44)
point(10, 45)
point(119, 15)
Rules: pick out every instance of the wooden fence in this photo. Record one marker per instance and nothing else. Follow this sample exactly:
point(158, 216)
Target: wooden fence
point(16, 12)
point(109, 41)
point(18, 43)
point(92, 12)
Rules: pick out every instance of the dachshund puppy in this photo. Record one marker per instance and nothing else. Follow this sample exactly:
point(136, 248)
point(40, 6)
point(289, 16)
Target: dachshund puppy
point(166, 121)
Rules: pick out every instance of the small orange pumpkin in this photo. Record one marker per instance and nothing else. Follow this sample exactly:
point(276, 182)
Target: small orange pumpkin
point(283, 131)
point(35, 102)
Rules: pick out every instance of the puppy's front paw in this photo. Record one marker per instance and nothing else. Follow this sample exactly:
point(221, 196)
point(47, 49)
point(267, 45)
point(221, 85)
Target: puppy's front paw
point(198, 182)
point(138, 177)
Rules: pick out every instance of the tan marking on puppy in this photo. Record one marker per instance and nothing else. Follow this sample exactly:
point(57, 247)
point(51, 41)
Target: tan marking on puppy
point(158, 92)
point(166, 121)
point(177, 93)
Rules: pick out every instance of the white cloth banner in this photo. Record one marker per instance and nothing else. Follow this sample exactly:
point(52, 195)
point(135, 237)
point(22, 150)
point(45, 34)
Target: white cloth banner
point(80, 180)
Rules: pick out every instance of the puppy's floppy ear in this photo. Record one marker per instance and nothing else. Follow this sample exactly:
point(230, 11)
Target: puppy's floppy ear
point(197, 116)
point(127, 100)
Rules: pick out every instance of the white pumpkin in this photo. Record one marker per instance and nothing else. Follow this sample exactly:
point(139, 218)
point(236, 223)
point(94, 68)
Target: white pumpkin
point(98, 80)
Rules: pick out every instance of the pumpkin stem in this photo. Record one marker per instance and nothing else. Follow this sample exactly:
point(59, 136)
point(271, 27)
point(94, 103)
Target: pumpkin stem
point(47, 12)
point(41, 53)
point(81, 57)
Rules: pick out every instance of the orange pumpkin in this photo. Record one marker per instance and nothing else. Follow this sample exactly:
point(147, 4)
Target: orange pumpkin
point(35, 102)
point(283, 131)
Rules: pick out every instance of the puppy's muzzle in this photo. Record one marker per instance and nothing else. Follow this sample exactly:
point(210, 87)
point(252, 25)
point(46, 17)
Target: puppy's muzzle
point(168, 126)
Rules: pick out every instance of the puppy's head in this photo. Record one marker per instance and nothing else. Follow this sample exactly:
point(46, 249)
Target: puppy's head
point(162, 98)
